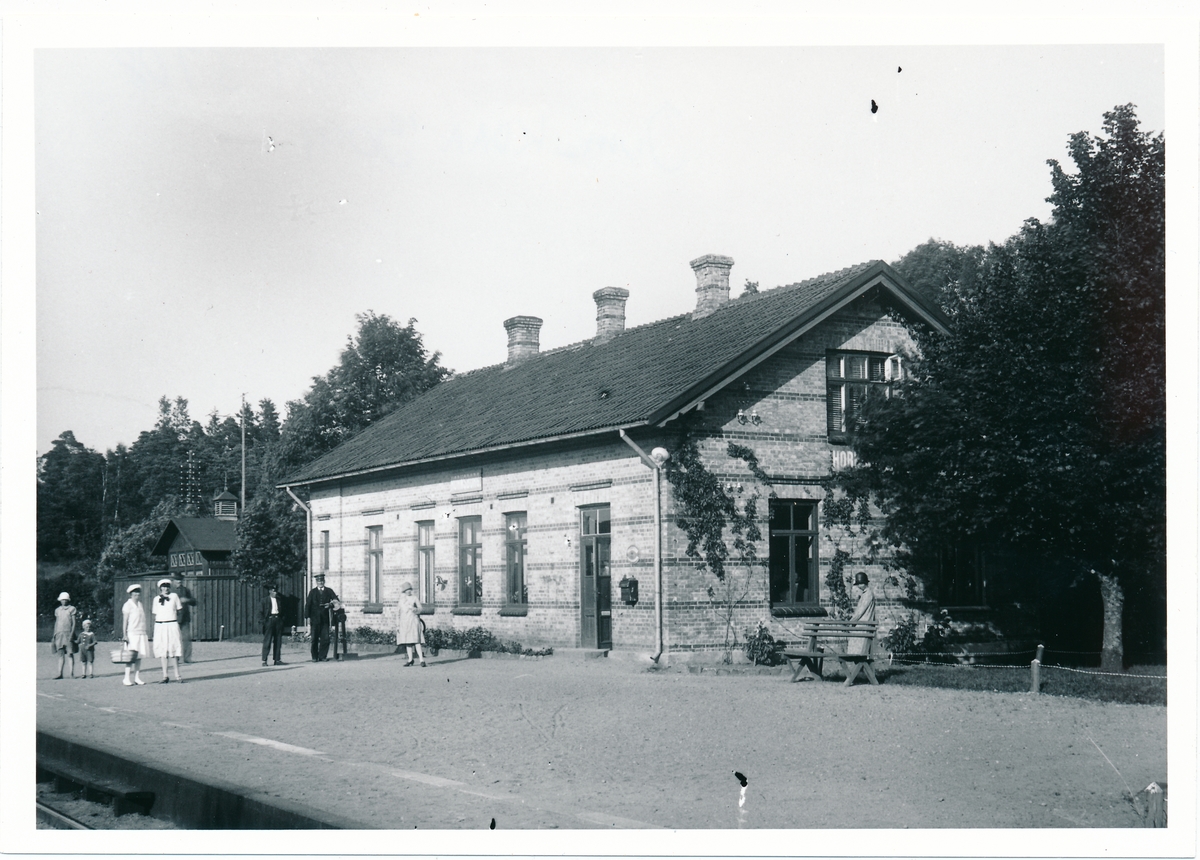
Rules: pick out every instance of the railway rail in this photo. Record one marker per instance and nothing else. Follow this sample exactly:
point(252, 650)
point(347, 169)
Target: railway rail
point(49, 817)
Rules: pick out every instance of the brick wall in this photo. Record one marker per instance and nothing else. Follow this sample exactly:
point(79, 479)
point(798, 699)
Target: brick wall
point(788, 394)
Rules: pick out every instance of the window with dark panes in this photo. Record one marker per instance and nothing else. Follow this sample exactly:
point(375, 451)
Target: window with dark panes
point(470, 561)
point(962, 577)
point(848, 378)
point(514, 549)
point(425, 561)
point(793, 553)
point(374, 564)
point(325, 550)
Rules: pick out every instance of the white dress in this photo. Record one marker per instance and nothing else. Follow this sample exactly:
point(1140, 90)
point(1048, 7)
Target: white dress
point(135, 626)
point(167, 642)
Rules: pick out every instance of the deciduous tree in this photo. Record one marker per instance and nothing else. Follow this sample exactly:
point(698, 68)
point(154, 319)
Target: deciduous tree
point(1039, 422)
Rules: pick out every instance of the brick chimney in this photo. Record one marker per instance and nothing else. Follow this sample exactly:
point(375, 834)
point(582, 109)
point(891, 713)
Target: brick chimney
point(610, 312)
point(712, 283)
point(522, 337)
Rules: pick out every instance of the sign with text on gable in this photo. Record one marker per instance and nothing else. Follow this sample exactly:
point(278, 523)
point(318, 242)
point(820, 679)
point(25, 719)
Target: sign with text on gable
point(843, 458)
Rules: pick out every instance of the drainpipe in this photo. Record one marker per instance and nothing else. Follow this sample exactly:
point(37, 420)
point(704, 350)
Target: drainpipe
point(656, 467)
point(307, 541)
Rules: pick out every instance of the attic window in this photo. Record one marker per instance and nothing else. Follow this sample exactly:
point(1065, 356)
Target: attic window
point(849, 377)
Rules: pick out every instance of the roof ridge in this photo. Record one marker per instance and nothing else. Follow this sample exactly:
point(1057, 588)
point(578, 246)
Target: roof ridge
point(686, 315)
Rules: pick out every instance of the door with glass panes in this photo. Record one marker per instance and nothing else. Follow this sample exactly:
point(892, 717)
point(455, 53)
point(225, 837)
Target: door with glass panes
point(595, 578)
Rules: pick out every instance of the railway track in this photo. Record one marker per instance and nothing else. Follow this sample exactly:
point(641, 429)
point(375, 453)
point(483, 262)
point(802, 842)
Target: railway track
point(50, 818)
point(69, 797)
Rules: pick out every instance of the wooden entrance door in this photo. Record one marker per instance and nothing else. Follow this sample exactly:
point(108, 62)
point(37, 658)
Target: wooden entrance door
point(595, 578)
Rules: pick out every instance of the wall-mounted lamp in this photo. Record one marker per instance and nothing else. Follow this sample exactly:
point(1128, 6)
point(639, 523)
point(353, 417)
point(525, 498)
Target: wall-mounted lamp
point(441, 583)
point(752, 418)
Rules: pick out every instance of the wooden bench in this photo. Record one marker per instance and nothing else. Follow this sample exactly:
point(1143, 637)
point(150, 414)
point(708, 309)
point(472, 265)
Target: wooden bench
point(809, 659)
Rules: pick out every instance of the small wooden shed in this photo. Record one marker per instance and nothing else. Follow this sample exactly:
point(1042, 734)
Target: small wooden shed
point(199, 553)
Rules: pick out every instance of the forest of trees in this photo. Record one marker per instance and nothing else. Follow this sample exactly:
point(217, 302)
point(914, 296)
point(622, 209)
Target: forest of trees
point(98, 515)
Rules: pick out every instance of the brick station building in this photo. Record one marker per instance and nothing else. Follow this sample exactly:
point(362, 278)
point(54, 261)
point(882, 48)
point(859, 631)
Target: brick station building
point(519, 497)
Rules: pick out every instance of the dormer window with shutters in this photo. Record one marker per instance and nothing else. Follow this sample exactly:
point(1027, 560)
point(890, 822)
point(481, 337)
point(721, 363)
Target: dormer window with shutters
point(849, 377)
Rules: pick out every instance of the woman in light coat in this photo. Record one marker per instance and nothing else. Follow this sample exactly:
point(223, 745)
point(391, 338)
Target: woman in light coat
point(408, 633)
point(64, 644)
point(864, 610)
point(133, 627)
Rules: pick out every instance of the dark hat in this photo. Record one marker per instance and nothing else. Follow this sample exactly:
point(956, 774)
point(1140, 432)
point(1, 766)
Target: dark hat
point(271, 586)
point(860, 578)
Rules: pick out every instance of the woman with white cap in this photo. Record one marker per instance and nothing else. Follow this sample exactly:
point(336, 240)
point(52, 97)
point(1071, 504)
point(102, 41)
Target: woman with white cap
point(408, 633)
point(167, 643)
point(133, 633)
point(64, 643)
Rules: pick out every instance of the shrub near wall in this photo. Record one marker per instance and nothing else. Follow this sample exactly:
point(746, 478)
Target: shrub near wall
point(473, 640)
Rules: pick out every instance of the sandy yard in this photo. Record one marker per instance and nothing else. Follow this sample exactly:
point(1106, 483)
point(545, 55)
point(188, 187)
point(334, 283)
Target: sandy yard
point(558, 743)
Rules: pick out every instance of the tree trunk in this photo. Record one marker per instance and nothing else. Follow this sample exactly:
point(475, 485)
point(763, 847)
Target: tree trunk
point(1112, 651)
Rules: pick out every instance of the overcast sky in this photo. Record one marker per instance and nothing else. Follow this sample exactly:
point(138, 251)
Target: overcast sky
point(179, 254)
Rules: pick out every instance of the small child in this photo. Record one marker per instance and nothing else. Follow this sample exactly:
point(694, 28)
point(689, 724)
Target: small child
point(87, 650)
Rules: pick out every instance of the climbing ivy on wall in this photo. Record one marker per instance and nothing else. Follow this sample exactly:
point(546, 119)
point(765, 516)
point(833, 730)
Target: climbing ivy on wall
point(845, 511)
point(706, 513)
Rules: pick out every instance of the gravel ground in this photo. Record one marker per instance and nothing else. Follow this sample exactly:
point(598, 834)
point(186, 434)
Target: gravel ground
point(561, 743)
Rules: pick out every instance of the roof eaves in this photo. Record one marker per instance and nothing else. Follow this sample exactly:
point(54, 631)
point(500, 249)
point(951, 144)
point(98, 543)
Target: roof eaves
point(456, 455)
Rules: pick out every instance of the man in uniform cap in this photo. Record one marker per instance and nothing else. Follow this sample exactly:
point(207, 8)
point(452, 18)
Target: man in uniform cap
point(316, 609)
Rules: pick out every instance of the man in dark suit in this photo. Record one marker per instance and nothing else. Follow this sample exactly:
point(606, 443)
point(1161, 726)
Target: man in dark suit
point(270, 613)
point(187, 600)
point(316, 609)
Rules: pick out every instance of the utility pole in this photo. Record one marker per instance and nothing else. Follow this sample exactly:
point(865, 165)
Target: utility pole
point(243, 453)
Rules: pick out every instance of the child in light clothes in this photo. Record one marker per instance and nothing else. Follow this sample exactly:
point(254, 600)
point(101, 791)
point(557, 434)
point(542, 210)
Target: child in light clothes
point(87, 650)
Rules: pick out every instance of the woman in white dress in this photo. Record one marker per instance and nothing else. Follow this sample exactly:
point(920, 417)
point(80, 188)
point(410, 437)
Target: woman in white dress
point(134, 633)
point(408, 633)
point(168, 645)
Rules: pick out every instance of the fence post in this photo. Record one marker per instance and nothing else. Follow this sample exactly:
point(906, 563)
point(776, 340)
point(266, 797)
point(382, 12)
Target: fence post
point(1035, 679)
point(1156, 812)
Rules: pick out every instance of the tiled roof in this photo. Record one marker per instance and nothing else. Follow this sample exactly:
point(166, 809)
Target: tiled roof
point(203, 533)
point(638, 377)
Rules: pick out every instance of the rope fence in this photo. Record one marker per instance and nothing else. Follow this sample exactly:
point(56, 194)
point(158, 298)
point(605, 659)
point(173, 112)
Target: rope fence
point(1109, 674)
point(1035, 665)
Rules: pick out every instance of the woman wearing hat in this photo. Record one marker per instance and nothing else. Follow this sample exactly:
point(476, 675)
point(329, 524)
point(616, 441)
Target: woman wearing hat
point(133, 627)
point(864, 610)
point(63, 643)
point(408, 633)
point(167, 644)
